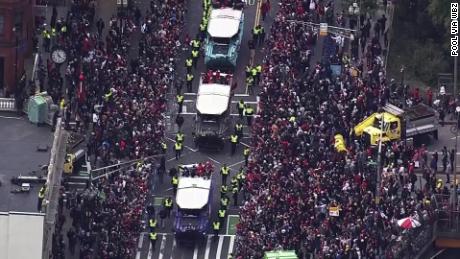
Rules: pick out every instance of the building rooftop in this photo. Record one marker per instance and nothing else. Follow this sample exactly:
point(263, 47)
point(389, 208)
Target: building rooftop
point(19, 156)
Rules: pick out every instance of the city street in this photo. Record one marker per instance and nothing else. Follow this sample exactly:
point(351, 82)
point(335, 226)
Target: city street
point(166, 246)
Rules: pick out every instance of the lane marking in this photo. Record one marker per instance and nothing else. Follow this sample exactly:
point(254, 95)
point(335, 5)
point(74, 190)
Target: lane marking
point(187, 147)
point(162, 247)
point(139, 246)
point(232, 243)
point(235, 164)
point(219, 247)
point(438, 253)
point(195, 252)
point(249, 102)
point(149, 255)
point(215, 161)
point(173, 247)
point(193, 94)
point(208, 248)
point(241, 95)
point(11, 118)
point(244, 144)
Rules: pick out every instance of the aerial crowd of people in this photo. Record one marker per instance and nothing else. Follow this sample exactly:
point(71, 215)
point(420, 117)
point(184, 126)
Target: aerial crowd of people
point(304, 195)
point(120, 101)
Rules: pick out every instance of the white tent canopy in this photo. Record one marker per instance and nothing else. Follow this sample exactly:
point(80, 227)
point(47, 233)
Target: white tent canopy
point(224, 23)
point(213, 98)
point(193, 192)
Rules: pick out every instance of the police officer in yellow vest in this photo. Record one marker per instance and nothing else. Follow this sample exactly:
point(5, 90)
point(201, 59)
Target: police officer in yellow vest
point(259, 72)
point(164, 147)
point(202, 31)
point(223, 190)
point(216, 228)
point(221, 215)
point(246, 152)
point(168, 205)
point(152, 224)
point(180, 102)
point(189, 79)
point(195, 55)
point(180, 137)
point(255, 35)
point(153, 239)
point(175, 183)
point(224, 202)
point(250, 85)
point(196, 44)
point(46, 39)
point(248, 112)
point(240, 107)
point(239, 129)
point(224, 171)
point(178, 149)
point(235, 195)
point(189, 65)
point(233, 142)
point(41, 196)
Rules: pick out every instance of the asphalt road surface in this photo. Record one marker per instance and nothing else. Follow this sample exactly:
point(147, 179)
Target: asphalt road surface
point(211, 247)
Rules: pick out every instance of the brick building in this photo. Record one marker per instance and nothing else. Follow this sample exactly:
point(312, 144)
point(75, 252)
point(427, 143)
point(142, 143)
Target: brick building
point(16, 32)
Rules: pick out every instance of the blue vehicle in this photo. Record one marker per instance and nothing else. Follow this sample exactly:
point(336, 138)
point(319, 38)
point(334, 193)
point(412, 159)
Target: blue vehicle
point(193, 199)
point(225, 32)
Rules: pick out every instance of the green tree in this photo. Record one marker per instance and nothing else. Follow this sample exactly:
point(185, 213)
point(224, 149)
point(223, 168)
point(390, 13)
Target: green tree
point(439, 11)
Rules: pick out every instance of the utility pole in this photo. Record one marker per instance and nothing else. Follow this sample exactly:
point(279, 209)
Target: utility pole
point(379, 159)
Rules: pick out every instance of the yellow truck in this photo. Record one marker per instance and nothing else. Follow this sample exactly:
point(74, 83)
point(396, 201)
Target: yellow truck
point(398, 123)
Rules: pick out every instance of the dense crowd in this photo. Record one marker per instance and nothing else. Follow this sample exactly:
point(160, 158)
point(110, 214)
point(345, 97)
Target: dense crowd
point(303, 194)
point(119, 97)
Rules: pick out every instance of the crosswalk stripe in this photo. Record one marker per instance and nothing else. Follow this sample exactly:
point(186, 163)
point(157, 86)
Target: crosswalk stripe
point(232, 243)
point(195, 252)
point(219, 247)
point(173, 247)
point(208, 248)
point(149, 256)
point(162, 247)
point(139, 246)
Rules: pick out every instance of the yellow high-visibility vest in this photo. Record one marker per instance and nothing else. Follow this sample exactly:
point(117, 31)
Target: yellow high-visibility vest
point(152, 223)
point(225, 170)
point(234, 138)
point(153, 236)
point(178, 146)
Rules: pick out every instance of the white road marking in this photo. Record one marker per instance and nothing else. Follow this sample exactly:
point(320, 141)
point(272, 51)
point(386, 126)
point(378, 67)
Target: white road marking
point(189, 101)
point(241, 95)
point(250, 102)
point(173, 247)
point(235, 164)
point(139, 246)
point(162, 247)
point(244, 144)
point(12, 118)
point(438, 253)
point(191, 94)
point(215, 161)
point(187, 147)
point(195, 252)
point(232, 243)
point(219, 247)
point(208, 248)
point(149, 255)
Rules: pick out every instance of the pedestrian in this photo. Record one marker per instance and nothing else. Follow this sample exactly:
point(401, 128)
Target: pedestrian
point(235, 195)
point(179, 121)
point(189, 79)
point(174, 183)
point(246, 152)
point(180, 102)
point(239, 129)
point(216, 228)
point(221, 215)
point(240, 106)
point(178, 149)
point(248, 112)
point(168, 205)
point(153, 239)
point(224, 171)
point(234, 143)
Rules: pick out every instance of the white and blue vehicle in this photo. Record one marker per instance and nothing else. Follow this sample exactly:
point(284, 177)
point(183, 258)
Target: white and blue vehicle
point(193, 199)
point(224, 36)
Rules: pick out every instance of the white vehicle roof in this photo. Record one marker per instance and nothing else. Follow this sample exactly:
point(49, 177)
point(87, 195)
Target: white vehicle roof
point(224, 22)
point(213, 98)
point(193, 192)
